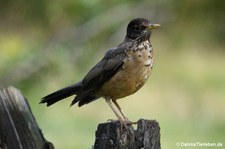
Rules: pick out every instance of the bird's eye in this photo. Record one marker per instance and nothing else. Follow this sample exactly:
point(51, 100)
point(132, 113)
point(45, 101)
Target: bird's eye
point(137, 28)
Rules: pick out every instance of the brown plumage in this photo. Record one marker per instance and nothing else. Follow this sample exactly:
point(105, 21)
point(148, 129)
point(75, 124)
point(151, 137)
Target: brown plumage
point(121, 72)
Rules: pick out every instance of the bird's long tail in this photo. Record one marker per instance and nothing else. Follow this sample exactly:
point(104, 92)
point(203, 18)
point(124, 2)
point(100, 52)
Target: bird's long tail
point(61, 94)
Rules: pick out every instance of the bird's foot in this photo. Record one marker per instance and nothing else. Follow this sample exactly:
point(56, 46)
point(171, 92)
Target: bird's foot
point(123, 123)
point(128, 121)
point(127, 124)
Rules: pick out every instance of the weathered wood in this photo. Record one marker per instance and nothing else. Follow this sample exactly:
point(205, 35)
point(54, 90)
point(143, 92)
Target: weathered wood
point(18, 128)
point(112, 136)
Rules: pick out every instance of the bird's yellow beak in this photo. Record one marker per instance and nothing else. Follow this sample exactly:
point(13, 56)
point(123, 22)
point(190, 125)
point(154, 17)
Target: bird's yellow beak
point(153, 26)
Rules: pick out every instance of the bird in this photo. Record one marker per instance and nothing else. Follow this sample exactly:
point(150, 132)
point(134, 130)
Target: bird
point(121, 72)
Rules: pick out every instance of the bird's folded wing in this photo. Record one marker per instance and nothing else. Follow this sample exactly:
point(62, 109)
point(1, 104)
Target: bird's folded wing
point(99, 74)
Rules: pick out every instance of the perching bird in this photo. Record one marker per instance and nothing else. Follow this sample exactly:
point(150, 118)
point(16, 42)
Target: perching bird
point(122, 71)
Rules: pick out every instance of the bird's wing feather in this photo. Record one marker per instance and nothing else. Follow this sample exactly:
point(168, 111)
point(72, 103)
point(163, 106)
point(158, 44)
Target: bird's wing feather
point(102, 72)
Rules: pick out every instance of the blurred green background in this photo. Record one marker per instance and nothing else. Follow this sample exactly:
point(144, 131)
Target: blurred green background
point(46, 45)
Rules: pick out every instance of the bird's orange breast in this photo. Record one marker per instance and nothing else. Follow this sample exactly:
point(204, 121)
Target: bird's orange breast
point(133, 75)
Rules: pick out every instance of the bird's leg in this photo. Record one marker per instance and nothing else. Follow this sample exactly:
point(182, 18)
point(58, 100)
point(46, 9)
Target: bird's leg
point(114, 110)
point(119, 108)
point(125, 118)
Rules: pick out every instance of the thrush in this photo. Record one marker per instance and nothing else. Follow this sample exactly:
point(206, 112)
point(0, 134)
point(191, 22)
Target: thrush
point(121, 72)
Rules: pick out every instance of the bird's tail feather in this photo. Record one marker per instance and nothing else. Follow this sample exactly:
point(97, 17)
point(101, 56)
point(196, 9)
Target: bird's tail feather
point(61, 94)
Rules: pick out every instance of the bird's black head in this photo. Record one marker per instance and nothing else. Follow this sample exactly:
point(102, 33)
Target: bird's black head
point(140, 29)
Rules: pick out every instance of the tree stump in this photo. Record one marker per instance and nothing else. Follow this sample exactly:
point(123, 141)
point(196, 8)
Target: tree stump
point(18, 128)
point(114, 135)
